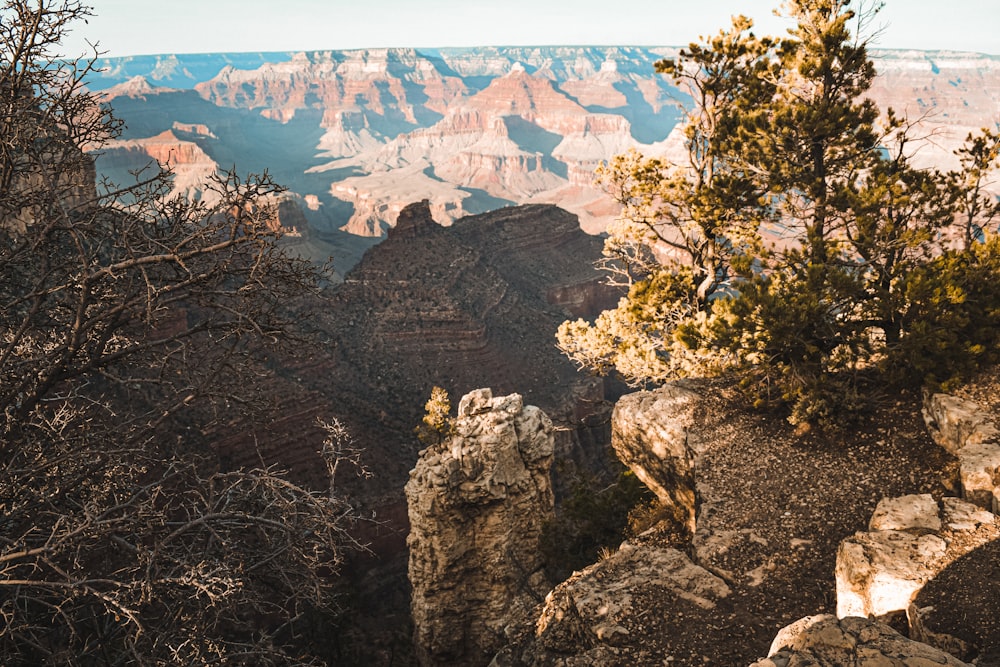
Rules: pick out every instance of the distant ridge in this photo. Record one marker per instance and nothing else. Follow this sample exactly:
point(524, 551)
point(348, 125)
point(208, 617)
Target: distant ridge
point(356, 135)
point(186, 70)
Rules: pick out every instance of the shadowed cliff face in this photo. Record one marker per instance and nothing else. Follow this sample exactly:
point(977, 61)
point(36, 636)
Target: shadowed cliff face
point(472, 305)
point(467, 306)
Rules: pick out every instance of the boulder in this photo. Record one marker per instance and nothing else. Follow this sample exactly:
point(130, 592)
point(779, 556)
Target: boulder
point(963, 428)
point(826, 641)
point(650, 435)
point(880, 572)
point(477, 502)
point(912, 513)
point(979, 472)
point(954, 422)
point(599, 612)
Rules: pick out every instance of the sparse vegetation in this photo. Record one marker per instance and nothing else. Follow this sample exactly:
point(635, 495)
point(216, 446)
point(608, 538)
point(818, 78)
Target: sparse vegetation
point(133, 328)
point(798, 248)
point(437, 423)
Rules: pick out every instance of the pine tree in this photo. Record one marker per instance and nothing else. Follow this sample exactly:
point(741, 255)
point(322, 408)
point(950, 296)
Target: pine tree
point(437, 423)
point(784, 144)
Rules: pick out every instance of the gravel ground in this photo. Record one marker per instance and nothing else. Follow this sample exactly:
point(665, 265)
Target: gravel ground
point(778, 503)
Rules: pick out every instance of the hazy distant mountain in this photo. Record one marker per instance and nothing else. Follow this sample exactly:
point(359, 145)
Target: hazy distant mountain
point(357, 135)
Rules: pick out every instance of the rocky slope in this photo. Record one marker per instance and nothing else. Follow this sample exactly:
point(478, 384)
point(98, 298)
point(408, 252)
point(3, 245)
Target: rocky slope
point(916, 585)
point(363, 133)
point(469, 305)
point(826, 641)
point(773, 507)
point(190, 165)
point(359, 135)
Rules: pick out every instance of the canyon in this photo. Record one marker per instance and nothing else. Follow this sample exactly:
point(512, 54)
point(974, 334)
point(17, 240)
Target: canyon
point(468, 305)
point(454, 190)
point(357, 135)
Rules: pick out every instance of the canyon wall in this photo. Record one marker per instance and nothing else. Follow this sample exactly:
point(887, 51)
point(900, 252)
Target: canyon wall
point(363, 133)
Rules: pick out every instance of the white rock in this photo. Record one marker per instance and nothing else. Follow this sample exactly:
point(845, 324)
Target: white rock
point(959, 515)
point(477, 503)
point(917, 512)
point(650, 435)
point(825, 641)
point(979, 470)
point(882, 571)
point(954, 422)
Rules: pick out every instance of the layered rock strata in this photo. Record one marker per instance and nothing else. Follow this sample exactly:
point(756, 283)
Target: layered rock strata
point(190, 165)
point(477, 503)
point(471, 129)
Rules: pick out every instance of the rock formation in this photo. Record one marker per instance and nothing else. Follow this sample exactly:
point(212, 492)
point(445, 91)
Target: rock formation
point(413, 221)
point(464, 306)
point(971, 434)
point(369, 131)
point(948, 89)
point(378, 198)
point(826, 641)
point(380, 81)
point(596, 617)
point(910, 540)
point(914, 544)
point(650, 435)
point(191, 166)
point(477, 503)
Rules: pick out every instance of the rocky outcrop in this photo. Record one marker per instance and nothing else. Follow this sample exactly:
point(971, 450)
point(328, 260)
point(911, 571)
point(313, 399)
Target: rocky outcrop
point(533, 98)
point(970, 433)
point(413, 220)
point(399, 87)
point(826, 641)
point(459, 307)
point(378, 198)
point(191, 166)
point(136, 87)
point(946, 90)
point(650, 435)
point(597, 616)
point(910, 541)
point(956, 423)
point(477, 503)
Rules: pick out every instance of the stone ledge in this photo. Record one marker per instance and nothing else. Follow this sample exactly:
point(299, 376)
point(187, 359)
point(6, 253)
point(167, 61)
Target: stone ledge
point(911, 541)
point(963, 428)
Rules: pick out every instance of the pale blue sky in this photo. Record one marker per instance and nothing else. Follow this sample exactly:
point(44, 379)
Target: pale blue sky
point(130, 27)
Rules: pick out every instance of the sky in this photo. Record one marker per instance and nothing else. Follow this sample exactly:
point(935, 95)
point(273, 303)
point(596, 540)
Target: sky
point(133, 27)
